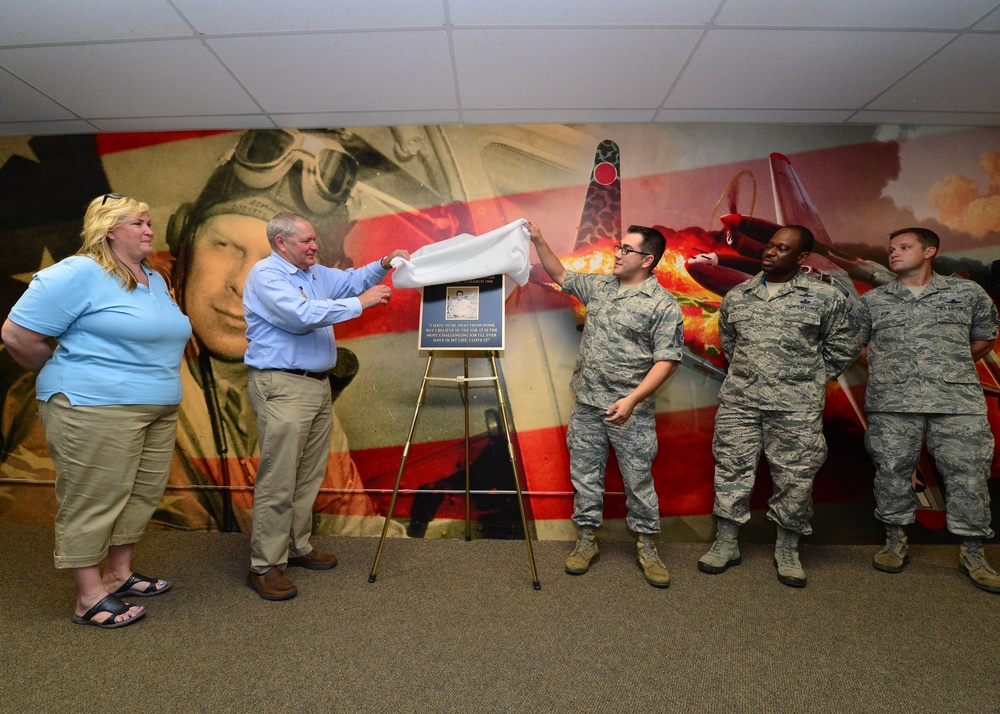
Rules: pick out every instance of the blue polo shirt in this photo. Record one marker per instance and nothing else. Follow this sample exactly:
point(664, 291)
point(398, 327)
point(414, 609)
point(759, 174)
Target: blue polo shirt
point(115, 346)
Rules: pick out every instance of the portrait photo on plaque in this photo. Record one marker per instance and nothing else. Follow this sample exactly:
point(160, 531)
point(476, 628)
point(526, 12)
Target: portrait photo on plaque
point(463, 315)
point(461, 303)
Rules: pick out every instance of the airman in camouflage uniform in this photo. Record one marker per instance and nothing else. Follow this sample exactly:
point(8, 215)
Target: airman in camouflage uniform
point(785, 335)
point(631, 344)
point(923, 333)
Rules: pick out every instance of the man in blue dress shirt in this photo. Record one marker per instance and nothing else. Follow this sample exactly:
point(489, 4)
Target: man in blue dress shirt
point(290, 304)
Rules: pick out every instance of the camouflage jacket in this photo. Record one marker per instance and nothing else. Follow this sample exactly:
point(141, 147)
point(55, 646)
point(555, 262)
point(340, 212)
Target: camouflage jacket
point(918, 347)
point(782, 350)
point(625, 334)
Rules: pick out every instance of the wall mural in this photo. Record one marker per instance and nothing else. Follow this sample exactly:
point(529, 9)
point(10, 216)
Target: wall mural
point(717, 192)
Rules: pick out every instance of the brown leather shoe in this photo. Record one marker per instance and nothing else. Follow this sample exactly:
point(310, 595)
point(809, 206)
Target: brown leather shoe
point(314, 560)
point(272, 585)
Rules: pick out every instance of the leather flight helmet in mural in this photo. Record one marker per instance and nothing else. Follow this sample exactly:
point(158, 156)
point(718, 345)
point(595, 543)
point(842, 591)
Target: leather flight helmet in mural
point(270, 172)
point(263, 159)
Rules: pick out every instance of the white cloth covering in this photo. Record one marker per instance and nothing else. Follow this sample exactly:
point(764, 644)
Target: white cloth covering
point(467, 257)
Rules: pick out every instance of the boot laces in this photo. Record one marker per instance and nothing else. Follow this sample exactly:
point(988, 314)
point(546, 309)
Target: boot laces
point(719, 547)
point(895, 540)
point(649, 550)
point(586, 538)
point(976, 556)
point(787, 554)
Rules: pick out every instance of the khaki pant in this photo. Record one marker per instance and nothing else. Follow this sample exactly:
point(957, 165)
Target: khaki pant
point(294, 423)
point(112, 463)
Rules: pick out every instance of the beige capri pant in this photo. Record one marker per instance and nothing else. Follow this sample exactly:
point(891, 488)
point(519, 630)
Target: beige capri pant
point(112, 463)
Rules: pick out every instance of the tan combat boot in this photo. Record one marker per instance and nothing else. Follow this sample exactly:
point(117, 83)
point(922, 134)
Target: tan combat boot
point(972, 562)
point(653, 569)
point(895, 553)
point(584, 553)
point(786, 559)
point(725, 551)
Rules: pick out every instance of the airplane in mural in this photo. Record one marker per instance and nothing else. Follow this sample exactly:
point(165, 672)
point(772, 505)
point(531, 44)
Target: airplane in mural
point(725, 258)
point(746, 236)
point(737, 257)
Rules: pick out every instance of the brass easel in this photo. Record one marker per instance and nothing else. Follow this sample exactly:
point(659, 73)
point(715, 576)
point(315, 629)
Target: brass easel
point(463, 383)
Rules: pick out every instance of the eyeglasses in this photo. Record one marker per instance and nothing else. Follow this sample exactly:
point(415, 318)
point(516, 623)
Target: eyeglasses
point(263, 158)
point(625, 250)
point(112, 196)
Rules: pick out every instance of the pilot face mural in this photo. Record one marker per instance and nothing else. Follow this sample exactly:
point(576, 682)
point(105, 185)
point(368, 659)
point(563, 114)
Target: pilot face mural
point(225, 248)
point(718, 193)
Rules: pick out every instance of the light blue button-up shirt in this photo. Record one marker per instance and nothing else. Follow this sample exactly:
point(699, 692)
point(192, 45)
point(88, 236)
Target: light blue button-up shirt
point(289, 312)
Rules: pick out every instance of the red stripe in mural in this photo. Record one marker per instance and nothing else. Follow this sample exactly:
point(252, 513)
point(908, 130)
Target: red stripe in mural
point(114, 143)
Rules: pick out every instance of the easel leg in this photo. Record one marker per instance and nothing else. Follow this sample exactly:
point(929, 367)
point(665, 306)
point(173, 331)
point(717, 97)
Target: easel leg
point(468, 480)
point(402, 463)
point(513, 467)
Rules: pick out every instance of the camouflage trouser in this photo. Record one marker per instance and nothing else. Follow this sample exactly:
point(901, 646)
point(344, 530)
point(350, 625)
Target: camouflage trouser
point(795, 449)
point(635, 446)
point(962, 448)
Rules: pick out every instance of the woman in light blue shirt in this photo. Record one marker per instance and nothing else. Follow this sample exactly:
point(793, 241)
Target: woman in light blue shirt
point(108, 396)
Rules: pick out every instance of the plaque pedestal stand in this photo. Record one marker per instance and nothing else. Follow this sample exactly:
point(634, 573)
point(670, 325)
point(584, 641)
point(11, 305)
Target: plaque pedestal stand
point(463, 382)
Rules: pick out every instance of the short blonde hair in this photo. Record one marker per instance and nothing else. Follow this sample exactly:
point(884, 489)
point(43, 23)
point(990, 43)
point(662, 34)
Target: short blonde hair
point(104, 214)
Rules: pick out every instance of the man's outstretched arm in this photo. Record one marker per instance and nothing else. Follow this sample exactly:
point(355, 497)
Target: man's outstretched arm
point(550, 262)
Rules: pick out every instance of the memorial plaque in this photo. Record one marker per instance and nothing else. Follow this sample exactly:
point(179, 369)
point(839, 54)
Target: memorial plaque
point(463, 315)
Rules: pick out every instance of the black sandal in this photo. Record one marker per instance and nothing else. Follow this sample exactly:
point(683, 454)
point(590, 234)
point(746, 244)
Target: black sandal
point(112, 604)
point(134, 579)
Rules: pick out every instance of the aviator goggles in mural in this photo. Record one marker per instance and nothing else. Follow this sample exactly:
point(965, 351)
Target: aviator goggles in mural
point(263, 158)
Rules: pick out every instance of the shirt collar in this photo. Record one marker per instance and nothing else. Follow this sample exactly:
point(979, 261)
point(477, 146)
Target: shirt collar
point(936, 283)
point(646, 287)
point(757, 282)
point(285, 265)
point(649, 285)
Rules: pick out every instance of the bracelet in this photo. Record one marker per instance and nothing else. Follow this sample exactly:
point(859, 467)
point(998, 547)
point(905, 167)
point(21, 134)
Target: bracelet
point(382, 263)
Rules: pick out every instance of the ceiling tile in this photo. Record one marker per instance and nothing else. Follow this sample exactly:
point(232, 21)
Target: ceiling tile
point(163, 78)
point(359, 71)
point(126, 65)
point(571, 69)
point(43, 21)
point(990, 22)
point(582, 12)
point(23, 103)
point(935, 86)
point(953, 14)
point(239, 16)
point(797, 69)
